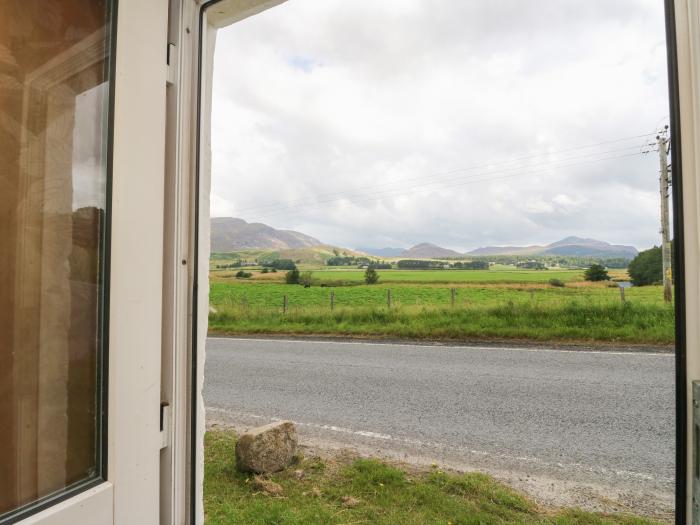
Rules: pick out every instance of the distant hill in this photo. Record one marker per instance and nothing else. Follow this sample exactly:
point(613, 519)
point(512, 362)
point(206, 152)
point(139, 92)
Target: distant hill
point(382, 252)
point(229, 234)
point(572, 246)
point(427, 250)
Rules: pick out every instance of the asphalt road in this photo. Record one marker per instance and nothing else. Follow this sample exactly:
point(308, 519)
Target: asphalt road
point(598, 420)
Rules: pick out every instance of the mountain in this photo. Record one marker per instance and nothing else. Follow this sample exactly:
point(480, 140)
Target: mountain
point(382, 252)
point(507, 250)
point(427, 250)
point(229, 234)
point(572, 246)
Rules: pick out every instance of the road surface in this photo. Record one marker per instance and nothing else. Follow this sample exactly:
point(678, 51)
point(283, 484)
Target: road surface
point(569, 427)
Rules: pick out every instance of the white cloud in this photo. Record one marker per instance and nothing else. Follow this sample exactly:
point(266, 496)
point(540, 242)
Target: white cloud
point(349, 120)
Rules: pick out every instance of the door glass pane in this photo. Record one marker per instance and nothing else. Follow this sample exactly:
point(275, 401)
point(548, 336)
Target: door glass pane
point(54, 92)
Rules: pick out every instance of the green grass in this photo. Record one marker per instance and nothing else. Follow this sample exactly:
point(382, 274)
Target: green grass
point(451, 276)
point(419, 309)
point(628, 323)
point(496, 275)
point(270, 294)
point(384, 494)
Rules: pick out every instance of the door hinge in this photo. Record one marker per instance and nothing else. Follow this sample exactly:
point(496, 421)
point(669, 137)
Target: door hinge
point(171, 59)
point(165, 424)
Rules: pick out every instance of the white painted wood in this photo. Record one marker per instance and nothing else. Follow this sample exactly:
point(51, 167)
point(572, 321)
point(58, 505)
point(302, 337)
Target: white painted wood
point(219, 15)
point(137, 261)
point(227, 12)
point(131, 494)
point(94, 506)
point(688, 43)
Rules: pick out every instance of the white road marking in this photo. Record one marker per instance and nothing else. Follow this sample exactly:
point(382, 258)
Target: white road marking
point(462, 347)
point(414, 442)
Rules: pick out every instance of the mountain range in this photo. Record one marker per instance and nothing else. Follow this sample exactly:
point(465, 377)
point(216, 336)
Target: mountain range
point(427, 250)
point(230, 234)
point(574, 246)
point(381, 252)
point(571, 246)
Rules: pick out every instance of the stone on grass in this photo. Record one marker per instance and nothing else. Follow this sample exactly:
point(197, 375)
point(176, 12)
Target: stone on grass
point(266, 449)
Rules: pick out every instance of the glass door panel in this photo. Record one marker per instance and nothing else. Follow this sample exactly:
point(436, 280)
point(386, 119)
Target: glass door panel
point(54, 109)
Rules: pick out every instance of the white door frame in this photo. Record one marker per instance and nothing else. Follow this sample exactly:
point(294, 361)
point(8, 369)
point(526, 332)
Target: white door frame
point(192, 28)
point(160, 246)
point(129, 494)
point(683, 26)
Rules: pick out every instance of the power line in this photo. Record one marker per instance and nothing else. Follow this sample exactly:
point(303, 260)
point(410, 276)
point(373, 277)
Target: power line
point(394, 189)
point(278, 204)
point(463, 183)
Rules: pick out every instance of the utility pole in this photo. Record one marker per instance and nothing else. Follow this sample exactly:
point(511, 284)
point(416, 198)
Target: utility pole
point(664, 183)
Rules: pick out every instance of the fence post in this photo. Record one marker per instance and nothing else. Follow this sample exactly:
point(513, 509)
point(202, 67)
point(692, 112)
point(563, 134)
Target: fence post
point(332, 299)
point(388, 297)
point(453, 292)
point(622, 294)
point(284, 304)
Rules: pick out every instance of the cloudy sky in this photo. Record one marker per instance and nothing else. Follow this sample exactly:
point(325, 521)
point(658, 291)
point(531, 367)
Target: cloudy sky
point(464, 123)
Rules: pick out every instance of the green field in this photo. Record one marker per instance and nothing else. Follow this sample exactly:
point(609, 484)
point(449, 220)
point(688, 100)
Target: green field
point(343, 491)
point(499, 275)
point(451, 276)
point(270, 295)
point(488, 304)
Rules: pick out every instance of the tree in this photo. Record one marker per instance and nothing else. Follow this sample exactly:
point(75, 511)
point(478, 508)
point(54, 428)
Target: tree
point(305, 279)
point(596, 272)
point(292, 276)
point(371, 275)
point(647, 267)
point(280, 264)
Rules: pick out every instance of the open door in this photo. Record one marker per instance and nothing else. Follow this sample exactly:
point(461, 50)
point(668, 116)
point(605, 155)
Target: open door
point(104, 240)
point(683, 33)
point(81, 221)
point(55, 248)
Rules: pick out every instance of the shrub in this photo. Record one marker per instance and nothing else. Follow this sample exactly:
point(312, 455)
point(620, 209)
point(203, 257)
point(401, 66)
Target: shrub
point(306, 279)
point(240, 274)
point(281, 264)
point(596, 272)
point(265, 270)
point(557, 282)
point(371, 275)
point(292, 276)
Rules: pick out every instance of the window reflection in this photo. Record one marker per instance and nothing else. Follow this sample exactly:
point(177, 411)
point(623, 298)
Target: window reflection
point(53, 141)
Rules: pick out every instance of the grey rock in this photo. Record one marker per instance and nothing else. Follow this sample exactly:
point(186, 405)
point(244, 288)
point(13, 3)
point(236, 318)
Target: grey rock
point(265, 449)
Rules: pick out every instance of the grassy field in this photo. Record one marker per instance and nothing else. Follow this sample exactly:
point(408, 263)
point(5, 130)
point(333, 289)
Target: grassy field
point(451, 276)
point(364, 491)
point(499, 275)
point(498, 304)
point(270, 295)
point(589, 324)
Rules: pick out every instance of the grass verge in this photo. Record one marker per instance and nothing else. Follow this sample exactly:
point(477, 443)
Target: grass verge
point(624, 323)
point(366, 491)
